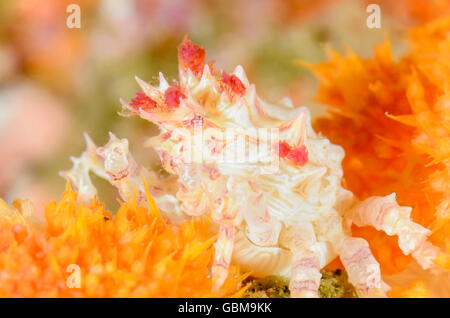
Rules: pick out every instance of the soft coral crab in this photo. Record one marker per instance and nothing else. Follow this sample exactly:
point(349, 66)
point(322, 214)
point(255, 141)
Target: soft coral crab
point(290, 218)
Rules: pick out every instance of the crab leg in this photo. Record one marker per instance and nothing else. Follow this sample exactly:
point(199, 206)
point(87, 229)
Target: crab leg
point(79, 173)
point(305, 275)
point(384, 213)
point(226, 213)
point(114, 163)
point(305, 270)
point(80, 180)
point(223, 251)
point(191, 191)
point(123, 171)
point(362, 268)
point(262, 229)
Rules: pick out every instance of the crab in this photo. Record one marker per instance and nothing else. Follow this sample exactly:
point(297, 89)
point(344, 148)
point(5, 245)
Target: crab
point(280, 210)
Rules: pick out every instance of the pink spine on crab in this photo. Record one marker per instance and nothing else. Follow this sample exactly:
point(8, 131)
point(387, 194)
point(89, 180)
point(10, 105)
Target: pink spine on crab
point(386, 215)
point(232, 84)
point(294, 147)
point(191, 57)
point(362, 268)
point(142, 103)
point(173, 96)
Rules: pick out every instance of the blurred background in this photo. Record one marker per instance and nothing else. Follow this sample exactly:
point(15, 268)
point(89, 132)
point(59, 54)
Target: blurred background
point(56, 82)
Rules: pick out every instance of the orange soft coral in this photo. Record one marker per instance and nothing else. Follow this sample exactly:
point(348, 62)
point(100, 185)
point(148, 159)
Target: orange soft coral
point(132, 254)
point(414, 11)
point(416, 289)
point(392, 118)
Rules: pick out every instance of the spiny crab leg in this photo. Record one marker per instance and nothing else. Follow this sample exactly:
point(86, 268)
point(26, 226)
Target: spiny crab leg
point(112, 162)
point(383, 213)
point(305, 270)
point(362, 268)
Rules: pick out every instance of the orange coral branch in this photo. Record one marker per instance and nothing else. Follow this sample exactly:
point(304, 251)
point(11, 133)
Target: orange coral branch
point(132, 254)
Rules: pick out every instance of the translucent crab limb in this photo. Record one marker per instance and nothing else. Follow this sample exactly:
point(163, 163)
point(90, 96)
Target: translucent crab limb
point(262, 228)
point(92, 159)
point(226, 212)
point(305, 270)
point(362, 268)
point(223, 251)
point(305, 275)
point(191, 192)
point(384, 213)
point(79, 174)
point(114, 163)
point(122, 170)
point(80, 180)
